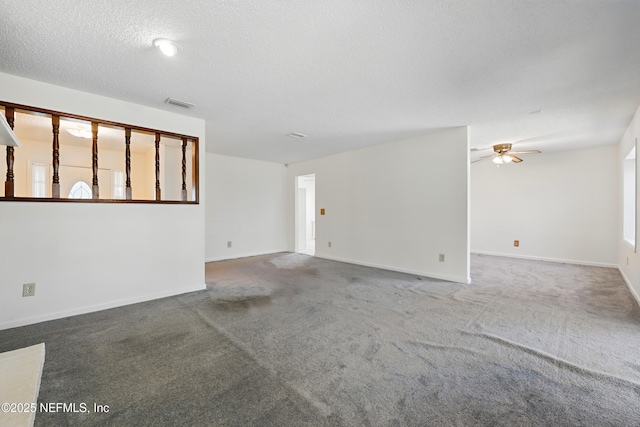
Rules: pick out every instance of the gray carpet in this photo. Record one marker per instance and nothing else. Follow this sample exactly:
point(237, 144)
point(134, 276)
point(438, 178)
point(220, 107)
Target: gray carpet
point(291, 340)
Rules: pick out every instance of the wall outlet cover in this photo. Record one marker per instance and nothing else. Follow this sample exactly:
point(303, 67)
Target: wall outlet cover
point(28, 289)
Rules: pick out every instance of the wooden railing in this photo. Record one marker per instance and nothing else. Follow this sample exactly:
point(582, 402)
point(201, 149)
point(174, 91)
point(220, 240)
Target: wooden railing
point(9, 183)
point(10, 187)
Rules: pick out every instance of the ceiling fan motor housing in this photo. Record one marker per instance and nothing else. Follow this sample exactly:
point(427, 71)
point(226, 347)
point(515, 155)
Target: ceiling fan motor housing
point(501, 148)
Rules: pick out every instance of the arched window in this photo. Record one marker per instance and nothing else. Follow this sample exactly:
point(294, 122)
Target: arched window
point(80, 190)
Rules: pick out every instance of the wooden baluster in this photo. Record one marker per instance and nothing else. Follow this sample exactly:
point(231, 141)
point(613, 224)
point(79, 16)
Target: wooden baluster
point(184, 169)
point(55, 185)
point(95, 188)
point(9, 187)
point(127, 141)
point(158, 166)
point(195, 171)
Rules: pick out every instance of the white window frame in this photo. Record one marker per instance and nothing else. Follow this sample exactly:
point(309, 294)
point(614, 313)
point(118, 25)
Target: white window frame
point(80, 186)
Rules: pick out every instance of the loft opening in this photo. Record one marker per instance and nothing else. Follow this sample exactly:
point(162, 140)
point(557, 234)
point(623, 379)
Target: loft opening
point(119, 162)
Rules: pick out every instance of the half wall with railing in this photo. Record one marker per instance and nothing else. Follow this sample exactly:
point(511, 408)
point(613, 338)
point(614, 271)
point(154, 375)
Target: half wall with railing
point(68, 157)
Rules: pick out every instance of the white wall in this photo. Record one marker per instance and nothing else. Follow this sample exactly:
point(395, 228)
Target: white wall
point(395, 206)
point(246, 204)
point(561, 206)
point(628, 257)
point(85, 257)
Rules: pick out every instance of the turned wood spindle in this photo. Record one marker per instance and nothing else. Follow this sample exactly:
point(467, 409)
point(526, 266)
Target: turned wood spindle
point(55, 183)
point(95, 190)
point(195, 170)
point(184, 169)
point(127, 141)
point(158, 166)
point(9, 186)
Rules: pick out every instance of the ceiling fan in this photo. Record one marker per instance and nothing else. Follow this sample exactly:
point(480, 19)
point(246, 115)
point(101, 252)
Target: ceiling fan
point(504, 155)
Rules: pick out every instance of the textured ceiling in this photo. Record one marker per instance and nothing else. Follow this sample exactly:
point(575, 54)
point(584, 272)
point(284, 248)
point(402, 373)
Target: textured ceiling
point(347, 73)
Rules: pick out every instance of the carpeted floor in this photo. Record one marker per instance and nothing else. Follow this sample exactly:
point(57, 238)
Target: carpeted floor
point(291, 340)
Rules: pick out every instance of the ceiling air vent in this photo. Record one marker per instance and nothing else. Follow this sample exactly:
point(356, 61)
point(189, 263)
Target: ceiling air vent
point(297, 135)
point(177, 102)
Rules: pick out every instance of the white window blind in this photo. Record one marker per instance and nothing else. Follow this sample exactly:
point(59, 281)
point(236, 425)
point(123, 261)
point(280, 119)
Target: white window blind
point(118, 184)
point(38, 180)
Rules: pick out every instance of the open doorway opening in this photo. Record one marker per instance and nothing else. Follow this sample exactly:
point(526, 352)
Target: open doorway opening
point(630, 203)
point(306, 214)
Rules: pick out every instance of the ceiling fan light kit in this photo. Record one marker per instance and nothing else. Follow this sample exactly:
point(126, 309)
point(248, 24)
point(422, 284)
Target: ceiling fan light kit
point(502, 159)
point(81, 131)
point(504, 155)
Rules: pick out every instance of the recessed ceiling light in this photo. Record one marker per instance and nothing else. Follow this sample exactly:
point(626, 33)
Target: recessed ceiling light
point(297, 135)
point(166, 46)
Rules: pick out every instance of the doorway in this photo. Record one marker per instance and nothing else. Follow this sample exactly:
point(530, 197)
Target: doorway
point(305, 215)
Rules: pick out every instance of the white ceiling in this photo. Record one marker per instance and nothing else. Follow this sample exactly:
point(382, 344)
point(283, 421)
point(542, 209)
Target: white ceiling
point(347, 73)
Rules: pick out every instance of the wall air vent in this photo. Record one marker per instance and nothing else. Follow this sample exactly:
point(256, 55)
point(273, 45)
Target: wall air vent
point(177, 102)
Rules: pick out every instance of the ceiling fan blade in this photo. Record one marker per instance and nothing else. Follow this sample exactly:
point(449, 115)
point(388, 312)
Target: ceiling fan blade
point(490, 156)
point(476, 161)
point(515, 158)
point(481, 148)
point(526, 152)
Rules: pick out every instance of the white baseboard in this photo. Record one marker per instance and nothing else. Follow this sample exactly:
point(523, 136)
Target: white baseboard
point(98, 307)
point(538, 258)
point(244, 255)
point(456, 279)
point(628, 282)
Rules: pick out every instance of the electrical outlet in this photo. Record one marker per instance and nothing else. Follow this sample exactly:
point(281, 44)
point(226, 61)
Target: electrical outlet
point(329, 244)
point(441, 257)
point(28, 289)
point(516, 243)
point(229, 244)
